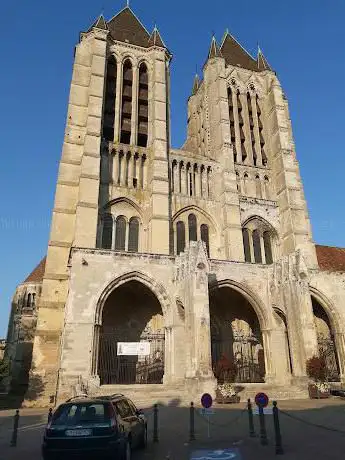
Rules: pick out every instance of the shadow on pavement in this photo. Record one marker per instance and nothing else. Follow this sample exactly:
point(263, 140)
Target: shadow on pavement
point(302, 440)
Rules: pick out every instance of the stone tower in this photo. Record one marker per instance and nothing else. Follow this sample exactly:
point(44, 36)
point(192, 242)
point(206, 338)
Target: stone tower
point(116, 144)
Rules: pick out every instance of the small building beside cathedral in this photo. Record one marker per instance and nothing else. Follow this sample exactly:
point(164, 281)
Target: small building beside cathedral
point(164, 262)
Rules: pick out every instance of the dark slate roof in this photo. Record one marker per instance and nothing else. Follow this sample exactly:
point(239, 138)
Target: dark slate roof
point(331, 258)
point(196, 84)
point(156, 39)
point(234, 54)
point(262, 61)
point(36, 276)
point(126, 27)
point(214, 49)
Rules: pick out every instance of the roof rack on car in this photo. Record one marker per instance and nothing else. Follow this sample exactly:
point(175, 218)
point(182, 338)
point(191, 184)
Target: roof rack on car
point(82, 396)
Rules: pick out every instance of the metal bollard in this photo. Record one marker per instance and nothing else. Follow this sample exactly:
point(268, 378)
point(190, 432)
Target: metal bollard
point(50, 414)
point(155, 423)
point(278, 436)
point(263, 433)
point(15, 429)
point(191, 422)
point(251, 420)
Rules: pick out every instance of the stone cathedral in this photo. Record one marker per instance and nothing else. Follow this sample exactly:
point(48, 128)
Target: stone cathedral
point(161, 262)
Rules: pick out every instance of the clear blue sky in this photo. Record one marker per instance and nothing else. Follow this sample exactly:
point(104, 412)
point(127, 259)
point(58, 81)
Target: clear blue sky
point(302, 39)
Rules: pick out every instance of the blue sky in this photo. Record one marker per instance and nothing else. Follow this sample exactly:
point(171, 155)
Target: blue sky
point(302, 40)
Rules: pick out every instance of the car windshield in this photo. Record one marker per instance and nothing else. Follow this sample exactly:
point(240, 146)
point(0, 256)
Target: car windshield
point(82, 413)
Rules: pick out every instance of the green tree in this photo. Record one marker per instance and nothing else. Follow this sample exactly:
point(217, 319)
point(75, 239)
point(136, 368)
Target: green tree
point(4, 368)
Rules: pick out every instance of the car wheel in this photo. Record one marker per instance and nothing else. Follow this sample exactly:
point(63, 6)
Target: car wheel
point(143, 439)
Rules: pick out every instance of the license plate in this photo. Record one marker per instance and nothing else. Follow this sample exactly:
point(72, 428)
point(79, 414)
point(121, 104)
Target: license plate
point(78, 432)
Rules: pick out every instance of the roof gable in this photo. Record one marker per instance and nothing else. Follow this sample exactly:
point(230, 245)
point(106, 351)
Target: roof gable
point(234, 54)
point(126, 27)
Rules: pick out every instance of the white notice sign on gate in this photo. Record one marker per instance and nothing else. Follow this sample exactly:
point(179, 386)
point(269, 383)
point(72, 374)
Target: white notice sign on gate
point(133, 348)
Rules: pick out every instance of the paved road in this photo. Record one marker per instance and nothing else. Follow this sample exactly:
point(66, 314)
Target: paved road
point(229, 428)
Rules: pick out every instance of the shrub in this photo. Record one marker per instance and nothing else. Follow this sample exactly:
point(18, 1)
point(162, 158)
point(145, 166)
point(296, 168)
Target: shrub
point(317, 369)
point(225, 370)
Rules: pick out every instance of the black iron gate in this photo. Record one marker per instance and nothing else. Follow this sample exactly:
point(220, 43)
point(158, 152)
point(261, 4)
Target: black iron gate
point(245, 352)
point(122, 370)
point(328, 351)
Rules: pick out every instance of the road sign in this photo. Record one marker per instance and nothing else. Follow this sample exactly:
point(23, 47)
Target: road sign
point(266, 411)
point(206, 400)
point(206, 412)
point(261, 399)
point(216, 454)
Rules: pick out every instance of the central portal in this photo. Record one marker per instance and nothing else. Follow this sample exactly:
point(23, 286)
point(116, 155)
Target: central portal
point(132, 313)
point(236, 340)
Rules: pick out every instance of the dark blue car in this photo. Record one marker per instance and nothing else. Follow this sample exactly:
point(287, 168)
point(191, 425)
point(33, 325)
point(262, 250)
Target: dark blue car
point(104, 427)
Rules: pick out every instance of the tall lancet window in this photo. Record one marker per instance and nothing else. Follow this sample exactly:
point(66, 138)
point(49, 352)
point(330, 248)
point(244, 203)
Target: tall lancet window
point(126, 108)
point(251, 126)
point(107, 231)
point(109, 102)
point(262, 140)
point(192, 226)
point(232, 123)
point(143, 114)
point(180, 237)
point(204, 233)
point(241, 123)
point(133, 235)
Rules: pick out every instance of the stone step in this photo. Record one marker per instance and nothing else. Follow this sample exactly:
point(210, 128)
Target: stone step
point(146, 395)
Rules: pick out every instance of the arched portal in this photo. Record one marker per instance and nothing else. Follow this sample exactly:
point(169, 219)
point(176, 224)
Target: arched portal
point(131, 315)
point(235, 336)
point(325, 340)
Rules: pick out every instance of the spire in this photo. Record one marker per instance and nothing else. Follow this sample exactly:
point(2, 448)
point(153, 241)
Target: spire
point(196, 84)
point(126, 27)
point(234, 54)
point(262, 62)
point(100, 23)
point(156, 39)
point(214, 51)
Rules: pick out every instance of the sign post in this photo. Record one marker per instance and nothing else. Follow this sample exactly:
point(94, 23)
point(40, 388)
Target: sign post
point(206, 402)
point(261, 400)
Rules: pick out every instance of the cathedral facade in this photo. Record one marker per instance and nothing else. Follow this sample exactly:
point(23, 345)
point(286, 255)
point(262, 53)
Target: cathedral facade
point(164, 262)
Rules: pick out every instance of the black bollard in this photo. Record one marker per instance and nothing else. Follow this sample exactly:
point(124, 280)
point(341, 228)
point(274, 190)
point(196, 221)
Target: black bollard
point(191, 422)
point(50, 414)
point(15, 429)
point(279, 447)
point(263, 433)
point(155, 423)
point(251, 420)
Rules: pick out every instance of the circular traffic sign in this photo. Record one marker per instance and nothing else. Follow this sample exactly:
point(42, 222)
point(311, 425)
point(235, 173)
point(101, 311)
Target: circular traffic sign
point(261, 400)
point(206, 400)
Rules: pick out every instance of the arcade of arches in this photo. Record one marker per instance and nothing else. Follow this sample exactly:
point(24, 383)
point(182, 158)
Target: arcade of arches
point(132, 313)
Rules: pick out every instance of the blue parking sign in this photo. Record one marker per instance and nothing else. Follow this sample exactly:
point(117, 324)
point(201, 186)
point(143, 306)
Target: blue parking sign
point(216, 454)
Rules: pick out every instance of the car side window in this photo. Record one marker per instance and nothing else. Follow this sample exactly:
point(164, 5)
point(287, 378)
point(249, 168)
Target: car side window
point(124, 409)
point(132, 406)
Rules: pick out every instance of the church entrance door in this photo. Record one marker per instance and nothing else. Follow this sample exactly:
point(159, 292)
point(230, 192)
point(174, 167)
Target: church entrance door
point(131, 337)
point(236, 341)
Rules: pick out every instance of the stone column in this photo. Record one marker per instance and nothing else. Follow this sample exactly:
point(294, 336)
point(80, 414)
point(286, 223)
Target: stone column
point(339, 339)
point(194, 283)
